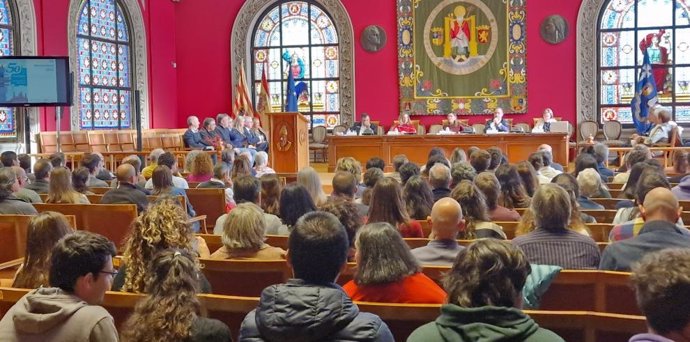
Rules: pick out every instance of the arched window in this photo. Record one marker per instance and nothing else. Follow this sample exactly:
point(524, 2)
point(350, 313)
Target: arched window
point(104, 66)
point(625, 28)
point(8, 47)
point(299, 37)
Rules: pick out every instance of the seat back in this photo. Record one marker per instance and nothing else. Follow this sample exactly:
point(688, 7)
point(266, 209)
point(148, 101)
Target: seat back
point(81, 141)
point(479, 128)
point(674, 138)
point(340, 129)
point(523, 127)
point(244, 277)
point(602, 216)
point(612, 129)
point(509, 228)
point(318, 134)
point(588, 128)
point(209, 202)
point(97, 141)
point(434, 129)
point(48, 142)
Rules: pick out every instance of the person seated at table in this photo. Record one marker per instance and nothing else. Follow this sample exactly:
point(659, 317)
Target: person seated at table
point(253, 139)
point(543, 125)
point(404, 125)
point(497, 124)
point(365, 127)
point(453, 124)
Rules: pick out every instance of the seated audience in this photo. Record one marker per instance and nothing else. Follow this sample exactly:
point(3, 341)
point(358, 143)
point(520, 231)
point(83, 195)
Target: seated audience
point(42, 234)
point(56, 159)
point(81, 270)
point(418, 198)
point(484, 298)
point(260, 134)
point(387, 271)
point(458, 155)
point(589, 183)
point(80, 177)
point(388, 206)
point(439, 179)
point(480, 160)
point(364, 127)
point(536, 159)
point(661, 118)
point(569, 184)
point(408, 170)
point(403, 126)
point(552, 243)
point(375, 162)
point(220, 180)
point(170, 161)
point(543, 125)
point(547, 169)
point(239, 140)
point(638, 154)
point(452, 124)
point(529, 177)
point(630, 187)
point(24, 194)
point(171, 310)
point(587, 161)
point(94, 163)
point(488, 184)
point(147, 172)
point(209, 136)
point(649, 178)
point(9, 159)
point(310, 180)
point(446, 221)
point(261, 164)
point(318, 251)
point(398, 161)
point(42, 169)
point(227, 157)
point(244, 235)
point(202, 168)
point(497, 124)
point(662, 287)
point(253, 139)
point(136, 163)
point(248, 189)
point(61, 190)
point(547, 148)
point(192, 137)
point(163, 186)
point(497, 158)
point(346, 212)
point(241, 167)
point(344, 187)
point(189, 160)
point(477, 222)
point(270, 193)
point(433, 160)
point(660, 211)
point(461, 171)
point(25, 164)
point(294, 202)
point(353, 166)
point(223, 127)
point(370, 177)
point(126, 191)
point(513, 193)
point(164, 225)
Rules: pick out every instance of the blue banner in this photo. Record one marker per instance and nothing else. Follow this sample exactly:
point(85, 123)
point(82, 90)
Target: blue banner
point(291, 100)
point(645, 97)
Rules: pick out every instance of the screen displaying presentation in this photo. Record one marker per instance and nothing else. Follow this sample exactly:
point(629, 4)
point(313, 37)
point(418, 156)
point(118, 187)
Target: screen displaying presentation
point(41, 81)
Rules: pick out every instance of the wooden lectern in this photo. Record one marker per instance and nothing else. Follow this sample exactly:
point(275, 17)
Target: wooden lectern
point(289, 141)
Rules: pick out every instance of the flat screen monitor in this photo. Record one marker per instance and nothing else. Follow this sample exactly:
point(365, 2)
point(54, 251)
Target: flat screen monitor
point(30, 81)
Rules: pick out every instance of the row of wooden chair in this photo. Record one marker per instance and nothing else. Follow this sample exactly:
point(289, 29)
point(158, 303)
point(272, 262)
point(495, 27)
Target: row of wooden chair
point(111, 140)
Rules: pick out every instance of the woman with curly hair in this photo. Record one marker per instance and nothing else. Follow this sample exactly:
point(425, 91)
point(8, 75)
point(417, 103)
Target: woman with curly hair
point(477, 222)
point(418, 198)
point(171, 311)
point(61, 190)
point(270, 194)
point(43, 232)
point(163, 225)
point(513, 193)
point(310, 180)
point(201, 169)
point(387, 205)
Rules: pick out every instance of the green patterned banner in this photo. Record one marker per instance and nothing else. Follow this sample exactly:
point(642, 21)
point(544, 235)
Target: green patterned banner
point(462, 56)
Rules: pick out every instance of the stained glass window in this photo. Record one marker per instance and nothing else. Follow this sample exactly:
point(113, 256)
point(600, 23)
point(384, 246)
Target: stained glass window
point(105, 81)
point(299, 37)
point(8, 120)
point(662, 28)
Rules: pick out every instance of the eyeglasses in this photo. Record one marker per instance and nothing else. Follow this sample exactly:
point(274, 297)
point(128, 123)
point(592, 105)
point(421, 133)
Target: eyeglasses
point(113, 273)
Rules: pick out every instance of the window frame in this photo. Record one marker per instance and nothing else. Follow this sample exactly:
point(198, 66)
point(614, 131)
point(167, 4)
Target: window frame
point(15, 32)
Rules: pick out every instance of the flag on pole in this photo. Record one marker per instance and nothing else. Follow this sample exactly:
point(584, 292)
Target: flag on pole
point(263, 103)
point(645, 97)
point(291, 99)
point(243, 102)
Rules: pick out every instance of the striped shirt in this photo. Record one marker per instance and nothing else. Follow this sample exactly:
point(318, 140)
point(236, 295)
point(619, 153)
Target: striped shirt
point(564, 248)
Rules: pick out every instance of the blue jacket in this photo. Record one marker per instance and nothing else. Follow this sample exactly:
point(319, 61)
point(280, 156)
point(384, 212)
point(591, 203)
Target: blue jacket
point(193, 139)
point(237, 139)
point(252, 139)
point(223, 133)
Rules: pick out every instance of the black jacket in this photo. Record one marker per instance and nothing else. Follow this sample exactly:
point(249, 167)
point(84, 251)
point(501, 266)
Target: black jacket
point(193, 140)
point(358, 126)
point(126, 193)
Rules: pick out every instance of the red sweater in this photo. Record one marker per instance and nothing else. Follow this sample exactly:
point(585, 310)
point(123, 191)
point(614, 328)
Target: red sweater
point(405, 128)
point(411, 230)
point(414, 289)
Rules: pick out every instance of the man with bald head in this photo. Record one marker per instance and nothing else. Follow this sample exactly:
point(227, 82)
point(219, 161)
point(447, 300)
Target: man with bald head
point(126, 191)
point(446, 221)
point(660, 212)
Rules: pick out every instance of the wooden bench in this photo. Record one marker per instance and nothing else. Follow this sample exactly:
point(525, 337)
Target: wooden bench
point(244, 277)
point(602, 216)
point(209, 202)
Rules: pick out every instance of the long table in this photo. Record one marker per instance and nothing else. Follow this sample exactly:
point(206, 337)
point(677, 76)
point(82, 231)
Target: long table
point(516, 146)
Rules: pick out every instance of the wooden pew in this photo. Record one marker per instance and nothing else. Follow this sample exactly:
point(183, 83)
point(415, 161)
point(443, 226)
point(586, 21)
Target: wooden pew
point(509, 227)
point(244, 277)
point(608, 203)
point(209, 202)
point(590, 326)
point(602, 216)
point(110, 220)
point(600, 231)
point(615, 186)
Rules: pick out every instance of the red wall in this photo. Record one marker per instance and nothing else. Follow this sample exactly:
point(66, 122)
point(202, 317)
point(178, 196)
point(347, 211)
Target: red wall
point(203, 31)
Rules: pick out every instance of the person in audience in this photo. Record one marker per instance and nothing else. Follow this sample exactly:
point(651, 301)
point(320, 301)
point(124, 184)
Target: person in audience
point(404, 125)
point(601, 154)
point(224, 127)
point(81, 270)
point(408, 170)
point(452, 124)
point(497, 124)
point(244, 235)
point(270, 193)
point(345, 187)
point(513, 193)
point(152, 158)
point(371, 176)
point(418, 198)
point(661, 118)
point(589, 183)
point(488, 184)
point(163, 185)
point(9, 159)
point(241, 167)
point(353, 166)
point(569, 184)
point(42, 234)
point(497, 157)
point(638, 154)
point(261, 164)
point(171, 310)
point(461, 171)
point(587, 161)
point(529, 177)
point(433, 160)
point(248, 189)
point(376, 162)
point(80, 177)
point(238, 139)
point(168, 160)
point(57, 159)
point(436, 152)
point(24, 194)
point(662, 285)
point(94, 163)
point(189, 160)
point(317, 253)
point(458, 155)
point(346, 212)
point(164, 225)
point(480, 160)
point(259, 132)
point(310, 180)
point(682, 190)
point(477, 222)
point(680, 165)
point(660, 212)
point(630, 188)
point(227, 157)
point(388, 206)
point(202, 168)
point(552, 243)
point(439, 179)
point(221, 180)
point(387, 271)
point(364, 127)
point(134, 160)
point(547, 148)
point(398, 161)
point(126, 191)
point(295, 201)
point(192, 137)
point(536, 159)
point(61, 190)
point(9, 203)
point(42, 169)
point(446, 221)
point(252, 139)
point(547, 169)
point(208, 133)
point(543, 125)
point(484, 298)
point(25, 164)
